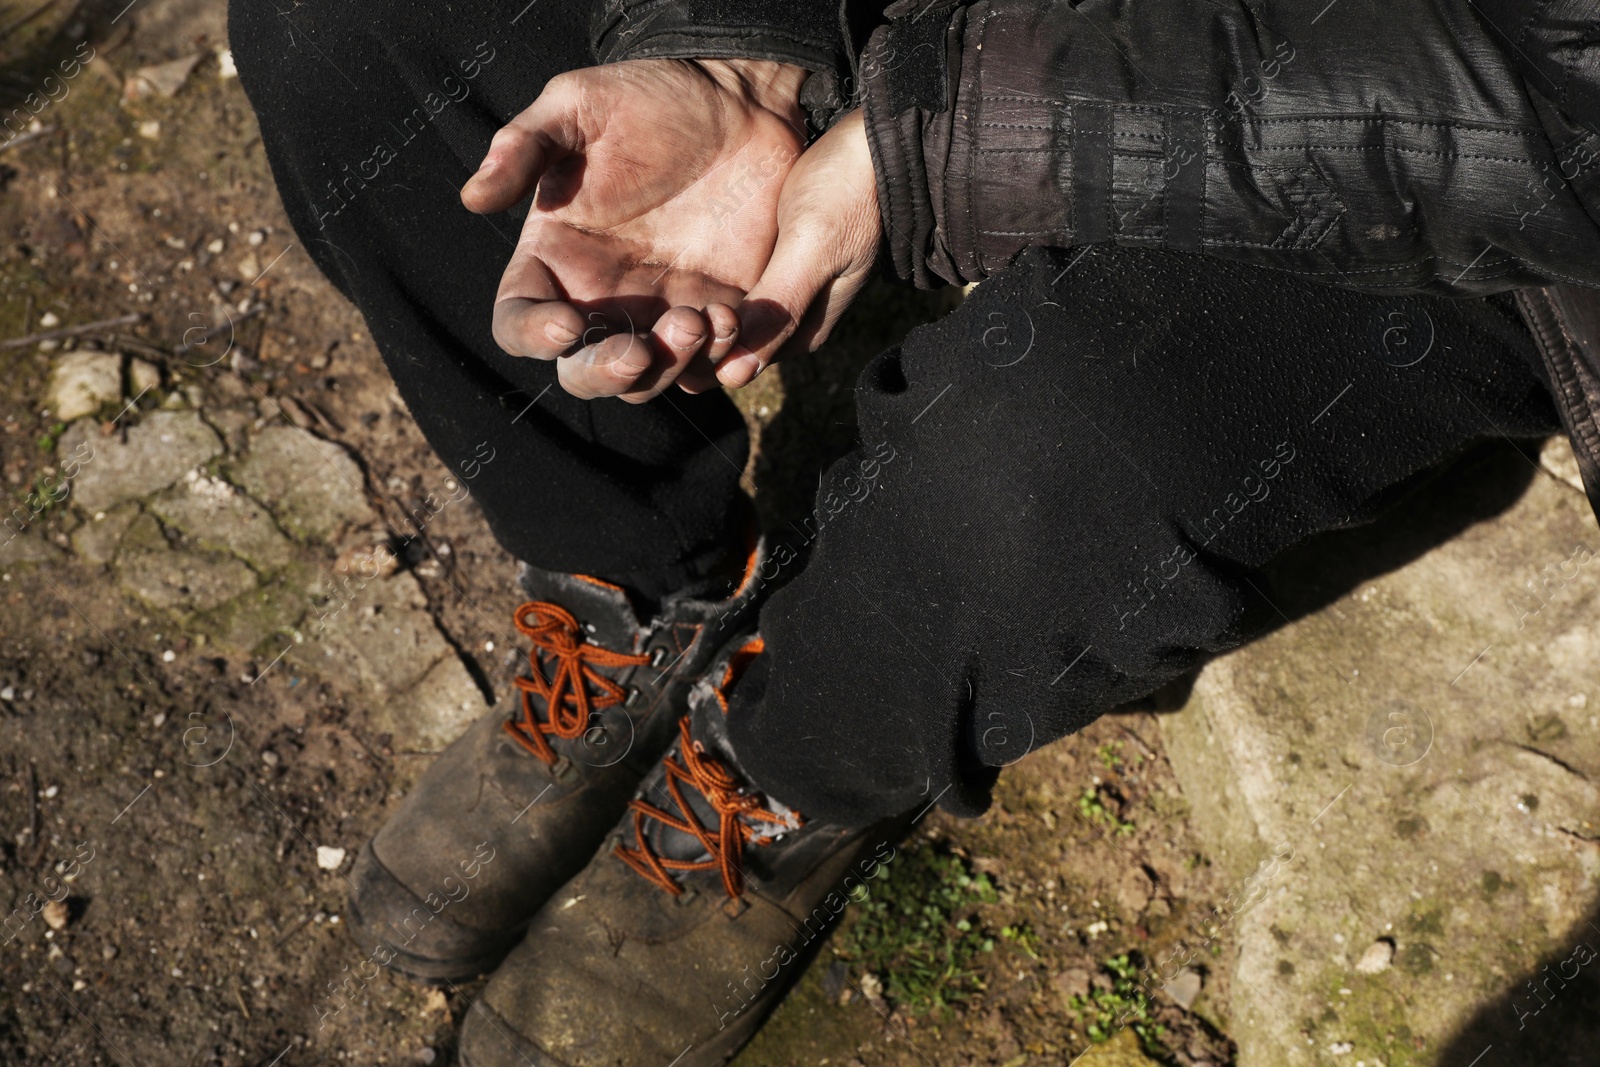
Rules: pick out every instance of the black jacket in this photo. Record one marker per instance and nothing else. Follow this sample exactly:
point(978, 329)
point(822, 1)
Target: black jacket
point(1444, 146)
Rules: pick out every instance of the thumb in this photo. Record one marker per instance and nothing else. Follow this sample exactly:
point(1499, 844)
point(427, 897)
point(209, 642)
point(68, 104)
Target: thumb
point(776, 306)
point(521, 152)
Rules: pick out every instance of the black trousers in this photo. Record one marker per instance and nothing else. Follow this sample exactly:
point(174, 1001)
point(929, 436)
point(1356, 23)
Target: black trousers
point(1062, 488)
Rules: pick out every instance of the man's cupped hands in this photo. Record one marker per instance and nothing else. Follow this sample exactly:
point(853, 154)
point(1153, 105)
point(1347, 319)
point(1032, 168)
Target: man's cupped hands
point(680, 231)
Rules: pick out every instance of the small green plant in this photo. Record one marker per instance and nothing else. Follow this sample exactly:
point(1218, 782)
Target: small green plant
point(1092, 808)
point(47, 440)
point(43, 496)
point(1124, 1004)
point(915, 927)
point(1110, 755)
point(1023, 936)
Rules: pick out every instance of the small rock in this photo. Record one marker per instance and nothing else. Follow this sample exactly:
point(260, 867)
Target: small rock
point(150, 130)
point(269, 757)
point(216, 246)
point(226, 70)
point(1073, 982)
point(49, 320)
point(370, 561)
point(82, 382)
point(1121, 1050)
point(108, 952)
point(143, 376)
point(1184, 988)
point(329, 858)
point(56, 914)
point(244, 362)
point(249, 268)
point(9, 693)
point(161, 79)
point(425, 1055)
point(255, 238)
point(1377, 958)
point(434, 1002)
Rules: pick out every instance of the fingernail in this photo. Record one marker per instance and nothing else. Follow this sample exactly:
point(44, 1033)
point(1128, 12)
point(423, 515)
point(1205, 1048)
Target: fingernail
point(682, 338)
point(740, 370)
point(559, 334)
point(635, 359)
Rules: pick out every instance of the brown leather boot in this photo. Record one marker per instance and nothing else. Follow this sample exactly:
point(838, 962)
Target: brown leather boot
point(520, 802)
point(674, 946)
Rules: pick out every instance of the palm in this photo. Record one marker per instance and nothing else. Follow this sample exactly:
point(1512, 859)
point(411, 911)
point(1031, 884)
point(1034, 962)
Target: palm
point(657, 188)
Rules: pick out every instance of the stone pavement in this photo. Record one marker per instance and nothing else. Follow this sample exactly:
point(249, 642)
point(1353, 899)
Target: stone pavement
point(1403, 786)
point(260, 537)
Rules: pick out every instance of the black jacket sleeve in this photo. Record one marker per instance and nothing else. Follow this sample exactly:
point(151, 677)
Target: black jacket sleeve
point(823, 36)
point(1444, 146)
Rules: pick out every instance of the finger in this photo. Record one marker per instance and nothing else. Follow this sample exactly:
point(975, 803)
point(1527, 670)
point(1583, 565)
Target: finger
point(724, 331)
point(678, 338)
point(523, 150)
point(701, 373)
point(534, 328)
point(772, 310)
point(612, 367)
point(699, 376)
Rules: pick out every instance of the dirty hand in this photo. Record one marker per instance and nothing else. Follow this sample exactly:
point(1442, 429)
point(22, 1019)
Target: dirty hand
point(657, 189)
point(828, 236)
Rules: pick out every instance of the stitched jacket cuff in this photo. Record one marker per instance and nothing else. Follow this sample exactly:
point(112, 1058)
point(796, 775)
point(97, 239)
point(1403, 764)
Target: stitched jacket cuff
point(908, 106)
point(813, 34)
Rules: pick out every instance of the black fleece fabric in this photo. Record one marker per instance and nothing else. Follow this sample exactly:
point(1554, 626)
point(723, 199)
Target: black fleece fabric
point(1063, 490)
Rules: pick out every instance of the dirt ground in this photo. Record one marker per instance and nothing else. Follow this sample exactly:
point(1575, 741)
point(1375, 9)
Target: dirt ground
point(181, 779)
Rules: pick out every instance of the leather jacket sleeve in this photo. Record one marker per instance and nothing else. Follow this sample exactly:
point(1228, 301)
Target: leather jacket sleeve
point(823, 36)
point(1445, 146)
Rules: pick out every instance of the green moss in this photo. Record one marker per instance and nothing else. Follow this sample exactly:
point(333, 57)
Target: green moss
point(916, 928)
point(1105, 1011)
point(1094, 809)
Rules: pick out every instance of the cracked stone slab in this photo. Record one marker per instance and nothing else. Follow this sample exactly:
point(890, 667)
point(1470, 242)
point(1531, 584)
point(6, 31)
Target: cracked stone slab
point(216, 515)
point(97, 539)
point(159, 450)
point(25, 547)
point(436, 711)
point(181, 582)
point(376, 636)
point(312, 485)
point(377, 630)
point(1402, 784)
point(264, 621)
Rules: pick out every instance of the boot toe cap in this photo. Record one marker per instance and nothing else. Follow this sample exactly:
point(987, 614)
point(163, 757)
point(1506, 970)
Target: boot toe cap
point(388, 919)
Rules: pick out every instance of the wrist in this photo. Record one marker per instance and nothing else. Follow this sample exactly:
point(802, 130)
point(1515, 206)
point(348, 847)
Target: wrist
point(772, 85)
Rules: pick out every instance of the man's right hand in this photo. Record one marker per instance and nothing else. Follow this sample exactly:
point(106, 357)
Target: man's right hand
point(657, 190)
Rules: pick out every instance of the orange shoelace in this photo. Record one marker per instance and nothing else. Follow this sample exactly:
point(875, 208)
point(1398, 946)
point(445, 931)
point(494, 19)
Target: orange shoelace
point(558, 641)
point(736, 811)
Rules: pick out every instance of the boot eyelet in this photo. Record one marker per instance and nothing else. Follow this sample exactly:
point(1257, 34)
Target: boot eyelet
point(734, 907)
point(632, 699)
point(657, 654)
point(688, 896)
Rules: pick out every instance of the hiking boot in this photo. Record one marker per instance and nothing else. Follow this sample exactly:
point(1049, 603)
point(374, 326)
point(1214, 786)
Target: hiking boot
point(674, 945)
point(518, 804)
